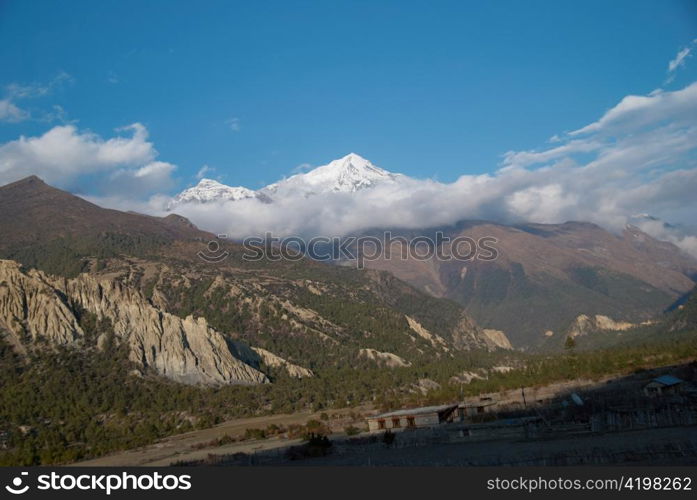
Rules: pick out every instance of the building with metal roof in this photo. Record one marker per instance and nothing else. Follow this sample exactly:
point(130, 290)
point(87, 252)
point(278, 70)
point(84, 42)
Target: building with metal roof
point(665, 384)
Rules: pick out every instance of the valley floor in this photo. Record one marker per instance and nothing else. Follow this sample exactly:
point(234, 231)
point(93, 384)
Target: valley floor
point(194, 445)
point(616, 424)
point(664, 446)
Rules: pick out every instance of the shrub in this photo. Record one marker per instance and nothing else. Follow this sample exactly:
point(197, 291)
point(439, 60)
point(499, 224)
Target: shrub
point(255, 434)
point(274, 430)
point(352, 430)
point(316, 446)
point(315, 427)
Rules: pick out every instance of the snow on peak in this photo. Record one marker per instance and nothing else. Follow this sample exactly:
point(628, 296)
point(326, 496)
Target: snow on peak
point(345, 175)
point(208, 190)
point(350, 173)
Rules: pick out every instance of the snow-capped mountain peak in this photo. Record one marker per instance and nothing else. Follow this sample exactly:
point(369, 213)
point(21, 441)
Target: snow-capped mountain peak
point(345, 175)
point(209, 190)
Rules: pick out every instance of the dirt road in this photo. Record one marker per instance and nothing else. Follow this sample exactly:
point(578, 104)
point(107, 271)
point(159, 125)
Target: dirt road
point(183, 446)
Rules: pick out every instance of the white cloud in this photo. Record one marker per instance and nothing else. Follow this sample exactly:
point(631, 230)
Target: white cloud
point(141, 182)
point(203, 171)
point(63, 154)
point(683, 237)
point(10, 112)
point(56, 114)
point(634, 112)
point(638, 157)
point(517, 159)
point(303, 167)
point(33, 90)
point(152, 205)
point(679, 59)
point(233, 123)
point(112, 78)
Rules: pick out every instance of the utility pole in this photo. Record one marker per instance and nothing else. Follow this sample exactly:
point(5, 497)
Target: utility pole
point(522, 390)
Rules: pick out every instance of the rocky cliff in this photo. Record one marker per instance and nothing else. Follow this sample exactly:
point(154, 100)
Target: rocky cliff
point(584, 325)
point(32, 310)
point(270, 359)
point(467, 335)
point(387, 359)
point(35, 307)
point(497, 338)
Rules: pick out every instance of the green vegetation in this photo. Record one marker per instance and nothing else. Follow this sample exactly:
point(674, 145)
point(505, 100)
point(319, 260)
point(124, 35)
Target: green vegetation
point(352, 430)
point(503, 299)
point(67, 404)
point(541, 370)
point(64, 404)
point(70, 256)
point(361, 313)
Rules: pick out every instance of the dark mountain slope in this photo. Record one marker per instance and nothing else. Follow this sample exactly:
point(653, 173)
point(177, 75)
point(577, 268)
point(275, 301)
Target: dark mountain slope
point(546, 275)
point(50, 229)
point(32, 211)
point(684, 317)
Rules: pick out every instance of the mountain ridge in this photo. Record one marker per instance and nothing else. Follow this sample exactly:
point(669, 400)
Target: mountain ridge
point(310, 315)
point(546, 275)
point(26, 205)
point(543, 271)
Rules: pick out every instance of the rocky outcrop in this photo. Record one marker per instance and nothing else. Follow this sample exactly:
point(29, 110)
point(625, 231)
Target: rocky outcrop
point(583, 325)
point(256, 357)
point(387, 359)
point(425, 385)
point(32, 310)
point(34, 306)
point(467, 335)
point(466, 377)
point(497, 338)
point(435, 340)
point(274, 361)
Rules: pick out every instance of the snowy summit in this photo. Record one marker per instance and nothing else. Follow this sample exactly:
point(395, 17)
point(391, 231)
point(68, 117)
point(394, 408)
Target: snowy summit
point(345, 175)
point(209, 190)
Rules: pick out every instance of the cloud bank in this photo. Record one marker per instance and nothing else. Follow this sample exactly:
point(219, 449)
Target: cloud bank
point(638, 157)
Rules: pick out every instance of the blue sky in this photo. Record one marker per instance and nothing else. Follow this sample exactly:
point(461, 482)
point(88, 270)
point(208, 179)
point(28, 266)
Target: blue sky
point(254, 89)
point(540, 111)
